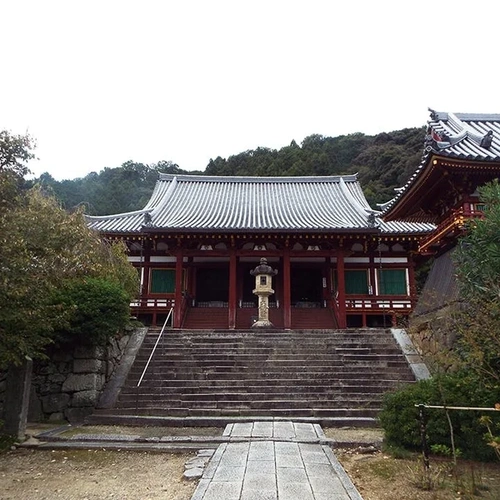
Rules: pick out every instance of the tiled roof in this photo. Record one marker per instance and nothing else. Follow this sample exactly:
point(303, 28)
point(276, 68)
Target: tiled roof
point(222, 204)
point(463, 136)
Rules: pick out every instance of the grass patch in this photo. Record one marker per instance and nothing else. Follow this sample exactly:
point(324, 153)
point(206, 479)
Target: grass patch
point(384, 470)
point(388, 478)
point(6, 441)
point(397, 452)
point(144, 432)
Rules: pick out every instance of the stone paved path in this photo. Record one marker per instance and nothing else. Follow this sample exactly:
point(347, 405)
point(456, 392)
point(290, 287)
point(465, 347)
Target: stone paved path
point(275, 461)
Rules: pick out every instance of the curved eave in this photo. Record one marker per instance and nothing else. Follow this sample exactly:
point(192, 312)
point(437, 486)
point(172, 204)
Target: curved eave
point(120, 224)
point(407, 204)
point(470, 140)
point(391, 228)
point(153, 230)
point(408, 228)
point(395, 208)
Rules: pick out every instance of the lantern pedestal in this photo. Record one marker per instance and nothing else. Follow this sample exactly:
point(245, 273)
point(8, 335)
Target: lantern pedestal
point(263, 321)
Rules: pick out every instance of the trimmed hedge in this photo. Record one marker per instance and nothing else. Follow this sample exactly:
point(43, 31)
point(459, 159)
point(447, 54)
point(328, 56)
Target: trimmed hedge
point(400, 417)
point(97, 309)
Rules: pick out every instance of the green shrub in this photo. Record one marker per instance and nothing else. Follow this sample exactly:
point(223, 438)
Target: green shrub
point(400, 417)
point(445, 450)
point(6, 440)
point(95, 310)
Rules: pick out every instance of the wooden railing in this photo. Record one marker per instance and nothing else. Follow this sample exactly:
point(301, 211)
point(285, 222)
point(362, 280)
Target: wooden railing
point(152, 303)
point(454, 222)
point(385, 303)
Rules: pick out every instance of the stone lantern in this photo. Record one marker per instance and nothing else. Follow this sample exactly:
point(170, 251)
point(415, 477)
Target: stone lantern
point(263, 288)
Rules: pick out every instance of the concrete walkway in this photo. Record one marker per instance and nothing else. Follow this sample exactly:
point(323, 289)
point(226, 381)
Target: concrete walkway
point(275, 461)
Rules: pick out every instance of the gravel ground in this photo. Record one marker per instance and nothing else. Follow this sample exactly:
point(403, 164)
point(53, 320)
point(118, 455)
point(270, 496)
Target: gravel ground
point(347, 435)
point(93, 474)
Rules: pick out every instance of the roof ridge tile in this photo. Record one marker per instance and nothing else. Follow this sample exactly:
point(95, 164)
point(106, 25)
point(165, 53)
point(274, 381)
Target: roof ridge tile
point(258, 179)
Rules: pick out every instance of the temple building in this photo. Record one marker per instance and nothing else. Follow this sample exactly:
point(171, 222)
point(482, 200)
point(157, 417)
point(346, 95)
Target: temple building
point(462, 152)
point(339, 264)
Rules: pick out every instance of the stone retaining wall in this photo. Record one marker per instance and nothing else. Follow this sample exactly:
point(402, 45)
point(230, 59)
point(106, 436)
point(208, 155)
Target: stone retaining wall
point(69, 384)
point(3, 385)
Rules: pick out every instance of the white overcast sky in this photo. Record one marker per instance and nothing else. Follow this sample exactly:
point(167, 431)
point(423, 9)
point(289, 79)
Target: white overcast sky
point(98, 83)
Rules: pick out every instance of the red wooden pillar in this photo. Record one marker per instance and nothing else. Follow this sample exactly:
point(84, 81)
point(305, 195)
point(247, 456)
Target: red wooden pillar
point(341, 288)
point(412, 285)
point(329, 281)
point(326, 282)
point(287, 298)
point(190, 279)
point(373, 274)
point(146, 260)
point(178, 289)
point(411, 280)
point(233, 268)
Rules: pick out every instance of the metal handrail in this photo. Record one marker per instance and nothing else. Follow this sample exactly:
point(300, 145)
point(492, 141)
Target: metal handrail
point(155, 346)
point(461, 408)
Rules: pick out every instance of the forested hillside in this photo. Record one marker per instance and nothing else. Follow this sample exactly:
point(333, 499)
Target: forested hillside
point(383, 162)
point(111, 191)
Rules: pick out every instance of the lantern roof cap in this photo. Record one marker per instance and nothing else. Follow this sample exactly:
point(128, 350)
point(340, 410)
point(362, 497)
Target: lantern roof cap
point(264, 268)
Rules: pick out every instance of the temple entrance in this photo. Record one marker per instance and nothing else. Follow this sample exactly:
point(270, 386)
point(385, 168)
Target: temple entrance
point(248, 298)
point(212, 287)
point(306, 287)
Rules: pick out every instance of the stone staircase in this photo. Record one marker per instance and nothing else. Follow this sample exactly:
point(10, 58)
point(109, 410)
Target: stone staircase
point(332, 377)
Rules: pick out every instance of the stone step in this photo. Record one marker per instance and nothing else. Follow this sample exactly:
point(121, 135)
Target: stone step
point(265, 350)
point(299, 385)
point(132, 419)
point(279, 401)
point(212, 379)
point(204, 397)
point(240, 356)
point(245, 358)
point(275, 343)
point(257, 335)
point(324, 374)
point(271, 331)
point(267, 377)
point(331, 335)
point(260, 412)
point(246, 407)
point(255, 392)
point(264, 362)
point(371, 357)
point(293, 351)
point(320, 383)
point(262, 355)
point(251, 366)
point(250, 340)
point(243, 364)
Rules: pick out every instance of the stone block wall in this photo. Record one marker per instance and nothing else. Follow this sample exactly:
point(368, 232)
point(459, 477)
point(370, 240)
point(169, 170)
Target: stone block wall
point(67, 387)
point(3, 385)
